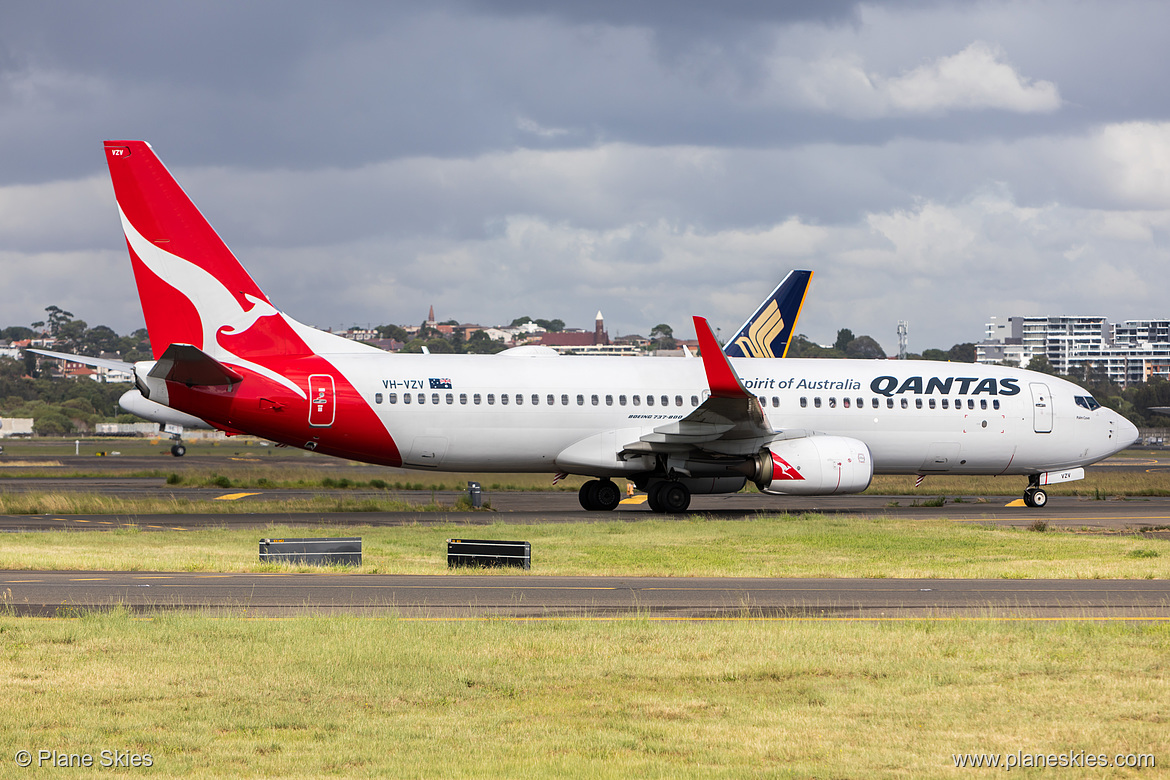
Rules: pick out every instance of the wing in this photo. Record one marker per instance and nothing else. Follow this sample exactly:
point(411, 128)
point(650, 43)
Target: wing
point(730, 421)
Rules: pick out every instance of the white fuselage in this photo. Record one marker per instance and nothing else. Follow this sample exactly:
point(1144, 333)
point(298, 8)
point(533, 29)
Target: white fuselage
point(532, 413)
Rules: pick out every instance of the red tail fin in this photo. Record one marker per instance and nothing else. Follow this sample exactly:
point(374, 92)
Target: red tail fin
point(193, 290)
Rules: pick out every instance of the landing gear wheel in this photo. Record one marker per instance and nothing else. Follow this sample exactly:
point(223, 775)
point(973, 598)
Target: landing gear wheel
point(587, 495)
point(1035, 497)
point(178, 450)
point(673, 497)
point(607, 496)
point(652, 497)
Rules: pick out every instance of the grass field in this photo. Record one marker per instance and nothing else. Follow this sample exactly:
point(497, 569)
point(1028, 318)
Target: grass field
point(315, 697)
point(780, 546)
point(252, 466)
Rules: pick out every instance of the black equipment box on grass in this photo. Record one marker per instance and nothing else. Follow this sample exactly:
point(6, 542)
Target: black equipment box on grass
point(488, 552)
point(318, 552)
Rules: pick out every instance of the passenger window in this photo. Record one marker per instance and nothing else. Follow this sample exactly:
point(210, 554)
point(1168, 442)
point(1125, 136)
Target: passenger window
point(970, 403)
point(995, 404)
point(982, 403)
point(694, 400)
point(377, 398)
point(803, 402)
point(817, 402)
point(875, 403)
point(450, 398)
point(422, 398)
point(918, 403)
point(609, 400)
point(491, 399)
point(931, 403)
point(580, 400)
point(665, 401)
point(763, 401)
point(535, 399)
point(944, 403)
point(845, 402)
point(905, 404)
point(564, 400)
point(503, 399)
point(463, 398)
point(392, 398)
point(406, 398)
point(621, 400)
point(860, 403)
point(775, 400)
point(649, 400)
point(519, 399)
point(637, 399)
point(434, 398)
point(889, 403)
point(476, 399)
point(594, 400)
point(678, 400)
point(832, 402)
point(552, 400)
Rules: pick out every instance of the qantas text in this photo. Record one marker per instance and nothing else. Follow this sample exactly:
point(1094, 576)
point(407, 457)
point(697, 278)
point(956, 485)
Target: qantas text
point(890, 385)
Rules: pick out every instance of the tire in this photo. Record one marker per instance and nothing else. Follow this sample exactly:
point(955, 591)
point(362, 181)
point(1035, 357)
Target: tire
point(652, 493)
point(607, 496)
point(587, 495)
point(1039, 498)
point(178, 450)
point(674, 497)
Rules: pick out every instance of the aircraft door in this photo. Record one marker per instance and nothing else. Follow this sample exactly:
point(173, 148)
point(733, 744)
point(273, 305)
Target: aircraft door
point(1041, 408)
point(322, 400)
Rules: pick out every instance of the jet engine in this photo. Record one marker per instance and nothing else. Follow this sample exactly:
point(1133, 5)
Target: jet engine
point(813, 466)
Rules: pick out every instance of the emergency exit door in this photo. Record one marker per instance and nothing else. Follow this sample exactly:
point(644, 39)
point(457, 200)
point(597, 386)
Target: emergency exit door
point(1041, 408)
point(322, 400)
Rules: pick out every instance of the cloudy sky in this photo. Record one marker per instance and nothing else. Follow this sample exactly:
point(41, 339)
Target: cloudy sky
point(937, 162)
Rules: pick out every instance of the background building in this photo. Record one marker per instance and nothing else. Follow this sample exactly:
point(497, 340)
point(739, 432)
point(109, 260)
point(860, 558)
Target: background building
point(1127, 353)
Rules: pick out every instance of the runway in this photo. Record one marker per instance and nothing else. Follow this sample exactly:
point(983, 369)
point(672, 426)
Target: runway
point(1146, 515)
point(64, 594)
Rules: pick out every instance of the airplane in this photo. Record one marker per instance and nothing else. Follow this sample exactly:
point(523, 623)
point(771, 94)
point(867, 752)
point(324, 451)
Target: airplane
point(768, 332)
point(225, 354)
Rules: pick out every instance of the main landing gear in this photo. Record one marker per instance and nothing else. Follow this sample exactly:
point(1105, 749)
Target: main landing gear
point(599, 495)
point(1035, 496)
point(670, 497)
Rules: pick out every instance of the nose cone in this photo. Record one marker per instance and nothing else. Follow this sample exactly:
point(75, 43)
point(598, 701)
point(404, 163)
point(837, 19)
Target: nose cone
point(1127, 434)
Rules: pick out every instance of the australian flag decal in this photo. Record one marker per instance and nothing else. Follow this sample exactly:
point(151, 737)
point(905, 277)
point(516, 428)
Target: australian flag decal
point(440, 384)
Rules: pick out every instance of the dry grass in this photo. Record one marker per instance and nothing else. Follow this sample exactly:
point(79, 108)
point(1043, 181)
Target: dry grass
point(315, 697)
point(781, 546)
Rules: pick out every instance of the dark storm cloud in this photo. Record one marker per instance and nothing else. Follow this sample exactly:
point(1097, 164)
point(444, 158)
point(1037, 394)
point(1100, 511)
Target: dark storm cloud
point(934, 161)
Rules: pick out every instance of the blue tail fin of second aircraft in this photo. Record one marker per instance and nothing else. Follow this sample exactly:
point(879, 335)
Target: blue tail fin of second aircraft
point(768, 332)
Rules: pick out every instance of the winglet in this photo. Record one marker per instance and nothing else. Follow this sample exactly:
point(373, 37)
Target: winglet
point(721, 377)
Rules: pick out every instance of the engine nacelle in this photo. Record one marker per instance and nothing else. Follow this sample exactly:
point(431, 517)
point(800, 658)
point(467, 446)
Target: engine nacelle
point(814, 466)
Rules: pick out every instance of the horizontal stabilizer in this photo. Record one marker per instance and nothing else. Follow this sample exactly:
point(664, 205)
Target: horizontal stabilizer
point(109, 365)
point(190, 366)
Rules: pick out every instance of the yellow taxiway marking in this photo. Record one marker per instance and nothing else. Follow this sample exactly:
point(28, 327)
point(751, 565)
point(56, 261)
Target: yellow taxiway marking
point(174, 528)
point(154, 577)
point(79, 520)
point(88, 579)
point(635, 500)
point(235, 496)
point(1017, 502)
point(10, 582)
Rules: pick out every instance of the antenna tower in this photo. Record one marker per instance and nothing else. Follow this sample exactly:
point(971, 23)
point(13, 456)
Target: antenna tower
point(903, 337)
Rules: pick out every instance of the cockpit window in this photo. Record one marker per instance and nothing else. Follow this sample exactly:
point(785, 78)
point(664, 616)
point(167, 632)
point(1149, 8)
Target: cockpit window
point(1088, 401)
